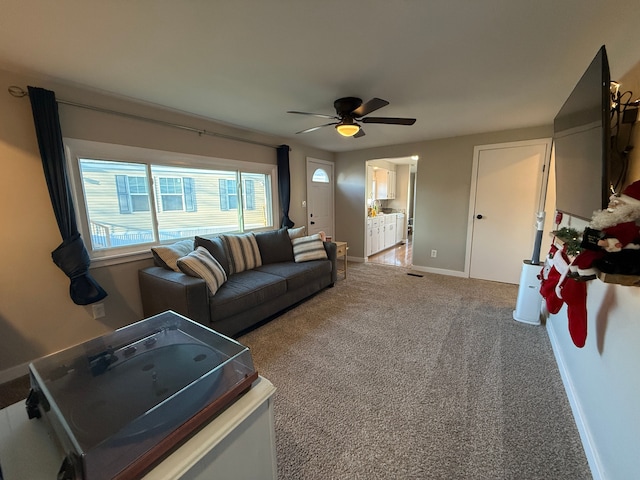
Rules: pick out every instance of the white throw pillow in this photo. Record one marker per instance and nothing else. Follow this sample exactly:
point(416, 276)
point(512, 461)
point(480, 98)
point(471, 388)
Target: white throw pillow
point(296, 232)
point(169, 254)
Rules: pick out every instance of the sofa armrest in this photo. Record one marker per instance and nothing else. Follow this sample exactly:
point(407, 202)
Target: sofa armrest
point(163, 290)
point(332, 254)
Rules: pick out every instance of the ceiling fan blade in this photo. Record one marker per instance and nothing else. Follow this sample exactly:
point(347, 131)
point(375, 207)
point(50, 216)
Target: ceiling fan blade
point(321, 115)
point(313, 129)
point(369, 107)
point(359, 134)
point(389, 120)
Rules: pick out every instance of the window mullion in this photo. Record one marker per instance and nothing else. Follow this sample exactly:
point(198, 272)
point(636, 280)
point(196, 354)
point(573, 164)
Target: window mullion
point(152, 200)
point(240, 201)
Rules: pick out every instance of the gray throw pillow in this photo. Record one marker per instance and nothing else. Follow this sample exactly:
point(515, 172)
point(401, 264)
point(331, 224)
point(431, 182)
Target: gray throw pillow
point(217, 248)
point(275, 246)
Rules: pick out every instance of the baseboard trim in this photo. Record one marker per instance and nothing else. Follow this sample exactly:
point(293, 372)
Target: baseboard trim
point(14, 372)
point(590, 450)
point(440, 271)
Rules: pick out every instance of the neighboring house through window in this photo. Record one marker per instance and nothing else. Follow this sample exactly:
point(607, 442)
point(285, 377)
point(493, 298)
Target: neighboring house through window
point(229, 194)
point(133, 195)
point(177, 194)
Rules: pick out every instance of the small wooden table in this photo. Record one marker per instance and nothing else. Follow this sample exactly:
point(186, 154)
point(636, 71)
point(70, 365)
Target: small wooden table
point(342, 252)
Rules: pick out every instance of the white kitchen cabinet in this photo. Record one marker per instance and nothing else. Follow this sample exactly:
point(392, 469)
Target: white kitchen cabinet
point(371, 185)
point(378, 234)
point(400, 227)
point(384, 231)
point(382, 183)
point(385, 184)
point(391, 184)
point(375, 235)
point(389, 230)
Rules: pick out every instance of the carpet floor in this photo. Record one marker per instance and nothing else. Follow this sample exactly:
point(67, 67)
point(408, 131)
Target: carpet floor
point(394, 376)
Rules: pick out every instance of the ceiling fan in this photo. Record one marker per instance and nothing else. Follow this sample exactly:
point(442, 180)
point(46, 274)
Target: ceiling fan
point(350, 111)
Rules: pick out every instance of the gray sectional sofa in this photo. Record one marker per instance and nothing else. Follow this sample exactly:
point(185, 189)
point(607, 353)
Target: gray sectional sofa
point(269, 283)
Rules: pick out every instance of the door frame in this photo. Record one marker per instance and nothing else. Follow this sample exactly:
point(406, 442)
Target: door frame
point(541, 182)
point(330, 166)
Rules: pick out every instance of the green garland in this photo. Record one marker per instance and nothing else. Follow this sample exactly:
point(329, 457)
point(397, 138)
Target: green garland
point(571, 238)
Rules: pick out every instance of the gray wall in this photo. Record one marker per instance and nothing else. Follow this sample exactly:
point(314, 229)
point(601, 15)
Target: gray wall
point(442, 194)
point(602, 379)
point(36, 315)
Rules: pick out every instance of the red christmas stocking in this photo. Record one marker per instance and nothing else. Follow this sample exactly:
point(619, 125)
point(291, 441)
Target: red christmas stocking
point(551, 274)
point(574, 293)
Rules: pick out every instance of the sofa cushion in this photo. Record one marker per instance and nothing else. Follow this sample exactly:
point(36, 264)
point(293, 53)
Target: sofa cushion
point(275, 246)
point(308, 248)
point(243, 252)
point(167, 256)
point(243, 291)
point(216, 247)
point(298, 274)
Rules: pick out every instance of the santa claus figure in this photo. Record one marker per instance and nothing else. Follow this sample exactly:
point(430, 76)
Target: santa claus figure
point(611, 242)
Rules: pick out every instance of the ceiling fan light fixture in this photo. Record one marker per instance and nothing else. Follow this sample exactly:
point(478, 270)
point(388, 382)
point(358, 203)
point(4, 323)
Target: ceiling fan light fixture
point(347, 129)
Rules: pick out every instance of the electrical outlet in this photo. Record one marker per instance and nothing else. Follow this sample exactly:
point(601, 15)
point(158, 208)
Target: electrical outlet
point(434, 253)
point(98, 310)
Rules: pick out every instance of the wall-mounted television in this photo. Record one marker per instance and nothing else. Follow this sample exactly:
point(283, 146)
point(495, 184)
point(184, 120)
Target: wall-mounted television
point(582, 136)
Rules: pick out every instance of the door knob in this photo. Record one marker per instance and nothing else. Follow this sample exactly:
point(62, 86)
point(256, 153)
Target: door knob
point(478, 216)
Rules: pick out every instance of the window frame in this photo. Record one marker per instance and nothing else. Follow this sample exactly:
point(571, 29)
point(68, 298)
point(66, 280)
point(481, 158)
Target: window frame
point(75, 149)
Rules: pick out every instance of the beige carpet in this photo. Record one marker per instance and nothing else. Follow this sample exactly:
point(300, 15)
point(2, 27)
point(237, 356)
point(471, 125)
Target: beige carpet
point(392, 376)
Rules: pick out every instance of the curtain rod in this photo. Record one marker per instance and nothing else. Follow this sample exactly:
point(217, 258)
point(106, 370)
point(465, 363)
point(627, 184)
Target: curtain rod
point(19, 92)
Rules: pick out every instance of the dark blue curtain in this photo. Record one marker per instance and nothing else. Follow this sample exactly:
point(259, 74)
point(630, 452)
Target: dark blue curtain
point(71, 255)
point(284, 184)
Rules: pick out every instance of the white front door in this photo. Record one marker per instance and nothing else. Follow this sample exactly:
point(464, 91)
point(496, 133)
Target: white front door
point(505, 195)
point(320, 197)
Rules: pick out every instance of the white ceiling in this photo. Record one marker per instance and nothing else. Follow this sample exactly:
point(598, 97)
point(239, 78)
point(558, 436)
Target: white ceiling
point(458, 66)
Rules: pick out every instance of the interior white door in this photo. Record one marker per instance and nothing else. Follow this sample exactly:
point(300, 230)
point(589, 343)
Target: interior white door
point(505, 195)
point(320, 205)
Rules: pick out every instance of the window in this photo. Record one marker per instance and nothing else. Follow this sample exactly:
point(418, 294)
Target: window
point(132, 194)
point(177, 194)
point(139, 198)
point(249, 195)
point(229, 195)
point(320, 176)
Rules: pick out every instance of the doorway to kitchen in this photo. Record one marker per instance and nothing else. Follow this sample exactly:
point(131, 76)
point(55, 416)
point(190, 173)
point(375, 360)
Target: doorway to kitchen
point(389, 210)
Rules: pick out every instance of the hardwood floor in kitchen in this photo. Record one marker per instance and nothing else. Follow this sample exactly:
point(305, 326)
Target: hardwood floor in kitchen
point(400, 255)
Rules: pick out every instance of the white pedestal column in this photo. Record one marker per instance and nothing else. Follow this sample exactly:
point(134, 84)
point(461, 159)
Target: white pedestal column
point(529, 300)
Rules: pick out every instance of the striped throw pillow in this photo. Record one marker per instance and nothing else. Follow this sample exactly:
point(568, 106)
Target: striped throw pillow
point(200, 263)
point(244, 253)
point(308, 248)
